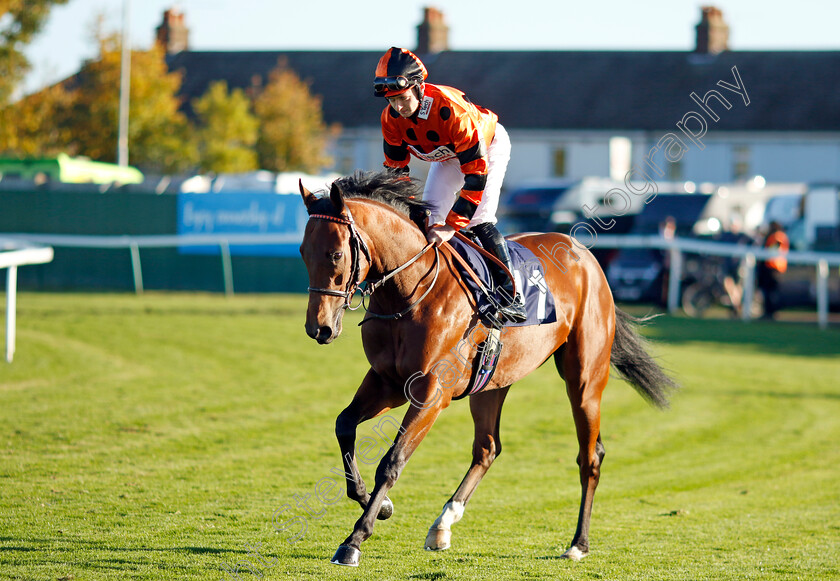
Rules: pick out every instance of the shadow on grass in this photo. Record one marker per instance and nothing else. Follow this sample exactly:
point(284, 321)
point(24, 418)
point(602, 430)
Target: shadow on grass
point(99, 556)
point(72, 544)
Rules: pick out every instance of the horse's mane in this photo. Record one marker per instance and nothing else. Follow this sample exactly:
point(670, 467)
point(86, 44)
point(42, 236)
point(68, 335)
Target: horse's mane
point(400, 193)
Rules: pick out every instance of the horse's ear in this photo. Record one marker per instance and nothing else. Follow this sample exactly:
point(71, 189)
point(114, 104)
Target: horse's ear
point(308, 197)
point(337, 197)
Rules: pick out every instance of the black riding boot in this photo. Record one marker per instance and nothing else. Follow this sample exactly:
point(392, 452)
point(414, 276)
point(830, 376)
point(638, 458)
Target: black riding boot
point(494, 242)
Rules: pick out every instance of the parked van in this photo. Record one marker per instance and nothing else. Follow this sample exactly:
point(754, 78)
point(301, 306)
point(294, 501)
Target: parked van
point(556, 206)
point(744, 203)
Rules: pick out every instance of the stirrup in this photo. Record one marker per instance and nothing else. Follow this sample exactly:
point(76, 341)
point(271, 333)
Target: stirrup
point(515, 312)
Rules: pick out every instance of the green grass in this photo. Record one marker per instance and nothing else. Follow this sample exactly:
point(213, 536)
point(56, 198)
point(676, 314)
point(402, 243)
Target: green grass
point(154, 437)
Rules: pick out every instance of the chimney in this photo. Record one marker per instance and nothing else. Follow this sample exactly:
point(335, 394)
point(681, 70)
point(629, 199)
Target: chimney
point(432, 33)
point(173, 35)
point(712, 32)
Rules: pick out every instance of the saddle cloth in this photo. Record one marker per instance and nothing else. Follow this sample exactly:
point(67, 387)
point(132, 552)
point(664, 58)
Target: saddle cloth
point(530, 282)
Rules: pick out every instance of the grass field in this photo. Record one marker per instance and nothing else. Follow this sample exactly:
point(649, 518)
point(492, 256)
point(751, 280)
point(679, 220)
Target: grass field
point(155, 437)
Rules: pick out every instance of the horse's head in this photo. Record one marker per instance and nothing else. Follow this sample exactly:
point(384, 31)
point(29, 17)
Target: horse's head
point(333, 252)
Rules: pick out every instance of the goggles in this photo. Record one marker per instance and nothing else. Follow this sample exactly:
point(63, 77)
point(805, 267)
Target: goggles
point(383, 84)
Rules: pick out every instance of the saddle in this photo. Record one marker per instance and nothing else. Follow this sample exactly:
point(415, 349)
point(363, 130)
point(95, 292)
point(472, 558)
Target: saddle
point(474, 263)
point(528, 274)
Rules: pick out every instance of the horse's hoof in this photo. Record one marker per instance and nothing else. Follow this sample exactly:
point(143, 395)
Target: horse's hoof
point(438, 539)
point(386, 510)
point(574, 554)
point(347, 556)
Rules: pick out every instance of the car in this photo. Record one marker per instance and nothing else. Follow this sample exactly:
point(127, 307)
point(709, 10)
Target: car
point(639, 274)
point(529, 208)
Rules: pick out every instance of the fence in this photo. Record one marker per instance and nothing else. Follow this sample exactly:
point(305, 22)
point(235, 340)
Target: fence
point(750, 254)
point(677, 247)
point(134, 243)
point(12, 255)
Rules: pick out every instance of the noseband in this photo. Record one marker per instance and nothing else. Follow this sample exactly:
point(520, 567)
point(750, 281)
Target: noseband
point(357, 245)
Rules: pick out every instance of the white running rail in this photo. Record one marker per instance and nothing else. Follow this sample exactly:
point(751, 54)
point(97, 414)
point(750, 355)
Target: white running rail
point(12, 255)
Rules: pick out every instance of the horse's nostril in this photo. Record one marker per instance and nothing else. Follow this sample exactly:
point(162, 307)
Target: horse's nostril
point(324, 333)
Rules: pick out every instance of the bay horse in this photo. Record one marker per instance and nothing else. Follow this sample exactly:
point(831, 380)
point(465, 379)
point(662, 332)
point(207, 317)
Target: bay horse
point(418, 311)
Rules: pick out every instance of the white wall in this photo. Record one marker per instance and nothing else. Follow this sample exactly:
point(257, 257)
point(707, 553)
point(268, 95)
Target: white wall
point(532, 155)
point(588, 158)
point(797, 162)
point(712, 164)
point(530, 160)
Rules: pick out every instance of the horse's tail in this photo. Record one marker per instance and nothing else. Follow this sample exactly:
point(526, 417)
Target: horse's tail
point(635, 365)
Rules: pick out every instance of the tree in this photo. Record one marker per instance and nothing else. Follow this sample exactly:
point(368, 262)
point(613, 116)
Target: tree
point(34, 127)
point(20, 21)
point(227, 130)
point(159, 135)
point(293, 134)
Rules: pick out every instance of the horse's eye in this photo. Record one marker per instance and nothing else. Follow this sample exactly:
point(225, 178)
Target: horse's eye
point(335, 256)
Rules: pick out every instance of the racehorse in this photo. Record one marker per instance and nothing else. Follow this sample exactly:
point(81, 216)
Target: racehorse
point(418, 312)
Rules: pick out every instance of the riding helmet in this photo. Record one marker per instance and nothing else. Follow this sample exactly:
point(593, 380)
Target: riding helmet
point(398, 70)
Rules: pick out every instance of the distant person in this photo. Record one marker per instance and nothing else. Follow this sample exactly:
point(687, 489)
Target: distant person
point(732, 265)
point(770, 270)
point(469, 150)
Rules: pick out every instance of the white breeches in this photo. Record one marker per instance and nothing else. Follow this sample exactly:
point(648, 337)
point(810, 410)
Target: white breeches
point(445, 181)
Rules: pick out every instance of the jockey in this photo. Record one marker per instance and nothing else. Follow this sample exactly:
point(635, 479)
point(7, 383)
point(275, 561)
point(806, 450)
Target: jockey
point(469, 149)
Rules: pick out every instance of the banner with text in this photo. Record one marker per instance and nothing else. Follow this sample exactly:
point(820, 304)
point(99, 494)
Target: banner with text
point(255, 214)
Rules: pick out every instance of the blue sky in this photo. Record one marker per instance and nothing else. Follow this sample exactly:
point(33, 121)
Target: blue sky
point(490, 24)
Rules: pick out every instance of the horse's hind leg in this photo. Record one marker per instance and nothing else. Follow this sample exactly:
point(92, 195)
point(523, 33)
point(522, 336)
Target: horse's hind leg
point(486, 408)
point(372, 398)
point(585, 367)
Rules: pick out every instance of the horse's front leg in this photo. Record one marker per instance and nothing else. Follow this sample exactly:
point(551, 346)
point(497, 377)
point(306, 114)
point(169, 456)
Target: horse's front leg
point(372, 398)
point(428, 400)
point(486, 408)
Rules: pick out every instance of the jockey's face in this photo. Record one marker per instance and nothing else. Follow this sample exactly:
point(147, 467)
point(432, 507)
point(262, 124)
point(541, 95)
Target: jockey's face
point(405, 104)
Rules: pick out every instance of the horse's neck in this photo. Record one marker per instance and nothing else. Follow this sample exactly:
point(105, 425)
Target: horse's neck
point(393, 240)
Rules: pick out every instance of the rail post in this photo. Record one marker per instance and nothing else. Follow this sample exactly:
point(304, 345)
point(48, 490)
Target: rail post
point(674, 276)
point(749, 287)
point(822, 293)
point(227, 267)
point(136, 267)
point(11, 311)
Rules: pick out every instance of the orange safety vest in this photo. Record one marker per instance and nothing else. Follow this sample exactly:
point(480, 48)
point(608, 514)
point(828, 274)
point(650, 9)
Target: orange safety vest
point(780, 241)
point(448, 125)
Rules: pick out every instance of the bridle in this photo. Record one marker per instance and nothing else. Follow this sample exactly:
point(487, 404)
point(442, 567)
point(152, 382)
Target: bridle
point(357, 247)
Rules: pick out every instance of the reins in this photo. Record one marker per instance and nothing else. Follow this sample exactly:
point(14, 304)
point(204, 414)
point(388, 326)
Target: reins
point(487, 255)
point(358, 245)
point(373, 286)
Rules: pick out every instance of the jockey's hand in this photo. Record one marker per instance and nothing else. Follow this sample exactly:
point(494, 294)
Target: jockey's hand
point(440, 233)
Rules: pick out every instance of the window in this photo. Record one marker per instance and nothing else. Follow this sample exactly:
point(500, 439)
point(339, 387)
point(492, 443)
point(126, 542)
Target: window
point(344, 158)
point(740, 162)
point(621, 151)
point(675, 170)
point(558, 168)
